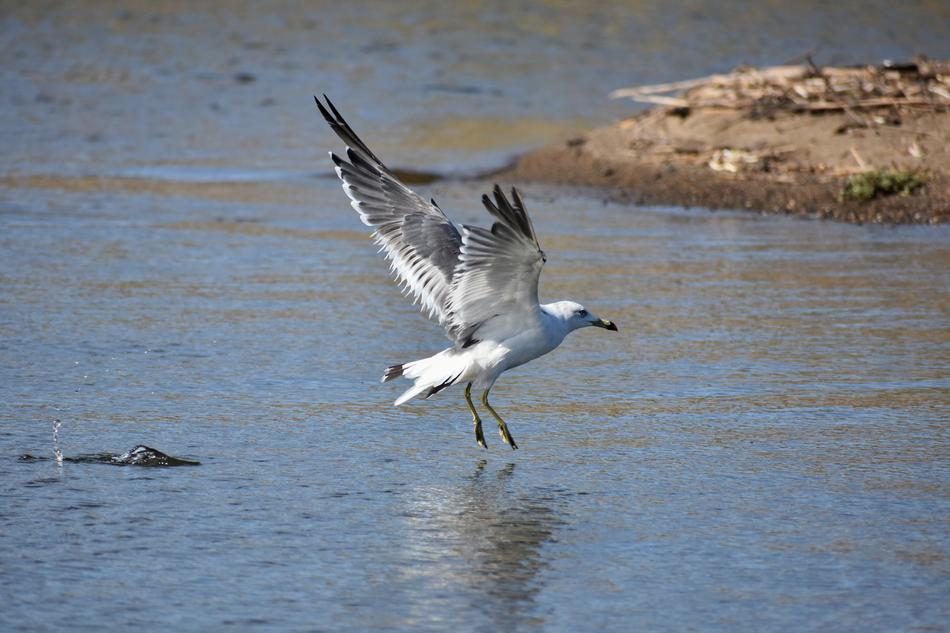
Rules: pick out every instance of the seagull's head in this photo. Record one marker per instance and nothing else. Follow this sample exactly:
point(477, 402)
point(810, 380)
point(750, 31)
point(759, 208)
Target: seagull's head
point(576, 316)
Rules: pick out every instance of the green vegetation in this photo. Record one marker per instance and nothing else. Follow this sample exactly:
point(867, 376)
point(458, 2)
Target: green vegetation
point(870, 184)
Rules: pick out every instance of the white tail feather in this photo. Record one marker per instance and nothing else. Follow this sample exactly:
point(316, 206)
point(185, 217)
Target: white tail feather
point(433, 374)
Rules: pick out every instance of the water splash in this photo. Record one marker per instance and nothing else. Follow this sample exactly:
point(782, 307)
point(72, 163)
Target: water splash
point(57, 452)
point(142, 455)
point(139, 455)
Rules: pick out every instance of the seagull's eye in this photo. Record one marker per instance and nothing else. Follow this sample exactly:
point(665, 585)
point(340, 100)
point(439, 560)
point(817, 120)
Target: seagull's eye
point(582, 313)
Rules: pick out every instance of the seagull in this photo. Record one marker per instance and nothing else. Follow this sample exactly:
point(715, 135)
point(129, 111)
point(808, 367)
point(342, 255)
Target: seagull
point(480, 285)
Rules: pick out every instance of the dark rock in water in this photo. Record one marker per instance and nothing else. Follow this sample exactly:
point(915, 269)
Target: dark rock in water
point(141, 455)
point(144, 456)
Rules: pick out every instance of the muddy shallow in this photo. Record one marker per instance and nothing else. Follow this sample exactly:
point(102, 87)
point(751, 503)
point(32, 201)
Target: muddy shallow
point(762, 446)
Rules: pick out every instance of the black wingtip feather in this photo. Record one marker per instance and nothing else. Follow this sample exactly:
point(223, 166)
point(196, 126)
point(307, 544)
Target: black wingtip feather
point(323, 111)
point(342, 129)
point(513, 216)
point(360, 162)
point(334, 110)
point(517, 198)
point(526, 219)
point(508, 213)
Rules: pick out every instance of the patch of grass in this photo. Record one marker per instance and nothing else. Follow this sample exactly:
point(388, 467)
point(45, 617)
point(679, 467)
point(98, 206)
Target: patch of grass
point(882, 182)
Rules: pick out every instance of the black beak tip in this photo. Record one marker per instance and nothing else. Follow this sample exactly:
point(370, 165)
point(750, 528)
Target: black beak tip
point(611, 326)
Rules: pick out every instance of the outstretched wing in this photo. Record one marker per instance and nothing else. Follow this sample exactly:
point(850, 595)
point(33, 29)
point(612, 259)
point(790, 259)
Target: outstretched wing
point(420, 242)
point(498, 270)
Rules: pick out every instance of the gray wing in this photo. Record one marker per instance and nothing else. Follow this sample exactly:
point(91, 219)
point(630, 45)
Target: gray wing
point(420, 242)
point(498, 271)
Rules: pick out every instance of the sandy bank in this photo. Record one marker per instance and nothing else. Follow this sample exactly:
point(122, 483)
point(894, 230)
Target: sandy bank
point(854, 150)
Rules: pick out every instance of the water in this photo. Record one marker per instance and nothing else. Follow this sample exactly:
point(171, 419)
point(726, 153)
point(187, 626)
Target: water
point(763, 445)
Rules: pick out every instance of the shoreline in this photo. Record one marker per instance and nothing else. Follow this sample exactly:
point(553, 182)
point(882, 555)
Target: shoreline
point(887, 162)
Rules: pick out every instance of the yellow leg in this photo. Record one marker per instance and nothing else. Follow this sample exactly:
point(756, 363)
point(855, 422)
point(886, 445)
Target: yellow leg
point(502, 427)
point(479, 436)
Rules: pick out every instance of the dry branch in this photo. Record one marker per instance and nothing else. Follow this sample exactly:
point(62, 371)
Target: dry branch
point(806, 88)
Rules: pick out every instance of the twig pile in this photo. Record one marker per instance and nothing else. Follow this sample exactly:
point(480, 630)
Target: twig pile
point(807, 88)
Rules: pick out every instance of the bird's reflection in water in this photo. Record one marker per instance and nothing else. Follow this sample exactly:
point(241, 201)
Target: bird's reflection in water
point(482, 544)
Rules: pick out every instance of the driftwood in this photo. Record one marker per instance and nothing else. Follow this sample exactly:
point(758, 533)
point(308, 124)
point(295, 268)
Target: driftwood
point(806, 88)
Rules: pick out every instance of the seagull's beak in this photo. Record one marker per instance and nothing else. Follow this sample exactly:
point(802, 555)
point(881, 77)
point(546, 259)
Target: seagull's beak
point(607, 325)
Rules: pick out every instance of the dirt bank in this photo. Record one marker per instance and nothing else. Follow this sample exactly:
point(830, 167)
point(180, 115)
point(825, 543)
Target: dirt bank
point(854, 150)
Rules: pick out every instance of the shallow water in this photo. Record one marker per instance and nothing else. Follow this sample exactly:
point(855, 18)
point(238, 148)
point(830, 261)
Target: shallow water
point(763, 445)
